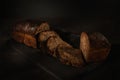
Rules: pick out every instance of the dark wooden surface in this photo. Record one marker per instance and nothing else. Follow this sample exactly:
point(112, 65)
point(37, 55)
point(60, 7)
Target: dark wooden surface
point(19, 62)
point(15, 56)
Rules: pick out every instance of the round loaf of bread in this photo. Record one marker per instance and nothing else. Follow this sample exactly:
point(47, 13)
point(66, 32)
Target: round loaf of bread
point(95, 47)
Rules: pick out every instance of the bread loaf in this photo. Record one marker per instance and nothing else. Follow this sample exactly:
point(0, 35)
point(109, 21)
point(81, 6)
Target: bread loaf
point(95, 47)
point(26, 32)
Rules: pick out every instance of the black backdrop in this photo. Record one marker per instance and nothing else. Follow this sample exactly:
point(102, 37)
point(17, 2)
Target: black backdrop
point(83, 15)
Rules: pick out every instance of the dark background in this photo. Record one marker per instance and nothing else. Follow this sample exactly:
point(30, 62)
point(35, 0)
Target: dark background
point(74, 16)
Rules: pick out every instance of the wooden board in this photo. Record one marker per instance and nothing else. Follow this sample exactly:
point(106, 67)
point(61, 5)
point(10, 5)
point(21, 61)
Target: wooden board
point(18, 56)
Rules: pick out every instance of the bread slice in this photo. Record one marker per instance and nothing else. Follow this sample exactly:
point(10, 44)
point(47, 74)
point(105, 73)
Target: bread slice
point(70, 56)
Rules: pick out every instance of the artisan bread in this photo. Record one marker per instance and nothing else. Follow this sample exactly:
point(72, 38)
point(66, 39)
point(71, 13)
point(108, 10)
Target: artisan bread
point(26, 32)
point(95, 47)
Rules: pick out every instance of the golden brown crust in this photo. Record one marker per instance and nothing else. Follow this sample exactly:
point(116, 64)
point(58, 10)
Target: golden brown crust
point(26, 31)
point(98, 55)
point(93, 47)
point(30, 28)
point(42, 27)
point(43, 36)
point(18, 36)
point(53, 42)
point(25, 27)
point(27, 39)
point(61, 49)
point(30, 41)
point(70, 56)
